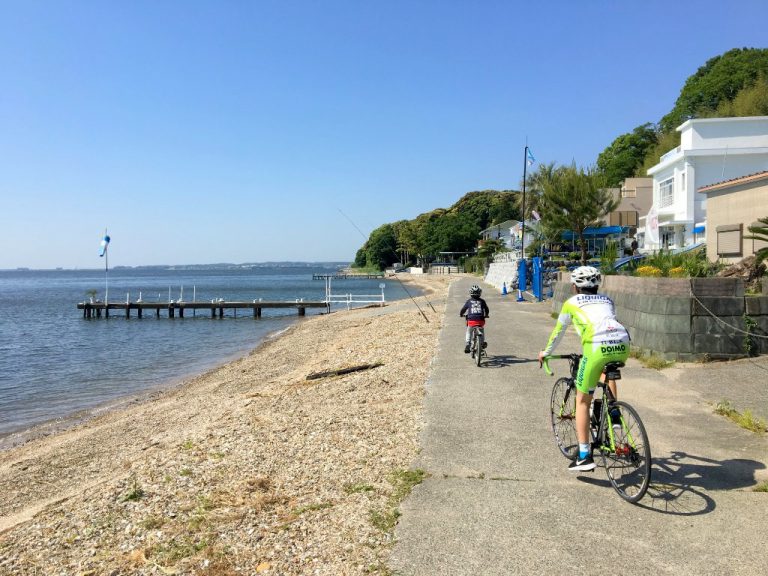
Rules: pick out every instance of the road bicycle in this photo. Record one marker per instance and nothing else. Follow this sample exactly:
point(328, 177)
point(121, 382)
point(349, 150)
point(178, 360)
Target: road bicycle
point(616, 430)
point(477, 344)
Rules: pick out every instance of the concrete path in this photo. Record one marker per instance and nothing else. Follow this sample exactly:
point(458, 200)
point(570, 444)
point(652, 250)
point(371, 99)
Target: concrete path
point(499, 499)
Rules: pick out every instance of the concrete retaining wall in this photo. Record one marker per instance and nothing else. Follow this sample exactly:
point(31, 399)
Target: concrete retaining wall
point(501, 272)
point(682, 318)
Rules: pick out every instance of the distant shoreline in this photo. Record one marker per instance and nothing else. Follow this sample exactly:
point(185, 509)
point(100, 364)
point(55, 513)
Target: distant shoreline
point(218, 266)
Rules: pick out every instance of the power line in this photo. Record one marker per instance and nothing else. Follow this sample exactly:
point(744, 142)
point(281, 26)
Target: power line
point(396, 278)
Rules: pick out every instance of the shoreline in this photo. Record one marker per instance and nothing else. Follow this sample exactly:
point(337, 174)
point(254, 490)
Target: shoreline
point(248, 458)
point(53, 426)
point(21, 436)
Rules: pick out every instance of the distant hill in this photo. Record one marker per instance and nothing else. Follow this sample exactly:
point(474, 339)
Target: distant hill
point(454, 229)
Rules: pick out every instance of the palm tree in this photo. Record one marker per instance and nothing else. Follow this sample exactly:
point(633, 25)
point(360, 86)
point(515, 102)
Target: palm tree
point(760, 232)
point(576, 199)
point(534, 185)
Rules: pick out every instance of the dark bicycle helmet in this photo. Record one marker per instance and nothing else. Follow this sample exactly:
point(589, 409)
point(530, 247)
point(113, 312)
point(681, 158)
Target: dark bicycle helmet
point(475, 290)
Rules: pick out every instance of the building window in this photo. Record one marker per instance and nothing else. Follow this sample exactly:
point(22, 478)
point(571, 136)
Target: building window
point(729, 240)
point(667, 192)
point(628, 193)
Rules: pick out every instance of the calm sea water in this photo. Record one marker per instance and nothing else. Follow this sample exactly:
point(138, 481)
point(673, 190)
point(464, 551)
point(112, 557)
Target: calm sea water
point(53, 362)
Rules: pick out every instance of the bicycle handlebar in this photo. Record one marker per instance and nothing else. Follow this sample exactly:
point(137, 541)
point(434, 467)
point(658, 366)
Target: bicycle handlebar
point(545, 361)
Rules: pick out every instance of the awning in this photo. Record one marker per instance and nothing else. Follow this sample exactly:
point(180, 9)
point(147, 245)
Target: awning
point(600, 232)
point(698, 230)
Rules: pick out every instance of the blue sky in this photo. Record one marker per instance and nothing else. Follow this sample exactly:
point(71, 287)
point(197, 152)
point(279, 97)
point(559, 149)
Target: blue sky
point(228, 131)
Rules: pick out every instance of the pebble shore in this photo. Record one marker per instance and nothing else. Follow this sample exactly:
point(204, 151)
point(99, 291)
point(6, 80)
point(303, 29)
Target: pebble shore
point(248, 469)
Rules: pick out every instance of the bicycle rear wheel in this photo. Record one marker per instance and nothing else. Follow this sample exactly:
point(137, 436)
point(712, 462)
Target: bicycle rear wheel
point(628, 464)
point(562, 411)
point(479, 346)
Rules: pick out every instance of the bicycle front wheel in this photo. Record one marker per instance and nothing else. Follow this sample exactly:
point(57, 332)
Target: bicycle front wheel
point(479, 347)
point(562, 411)
point(628, 463)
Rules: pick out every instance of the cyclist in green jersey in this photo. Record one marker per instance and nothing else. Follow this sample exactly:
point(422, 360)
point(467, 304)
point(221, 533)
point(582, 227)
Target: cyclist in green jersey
point(603, 340)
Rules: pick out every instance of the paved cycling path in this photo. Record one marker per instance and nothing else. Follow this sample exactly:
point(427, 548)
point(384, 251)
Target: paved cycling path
point(499, 499)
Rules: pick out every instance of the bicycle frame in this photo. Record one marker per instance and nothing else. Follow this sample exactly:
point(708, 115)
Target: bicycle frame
point(476, 338)
point(625, 451)
point(607, 400)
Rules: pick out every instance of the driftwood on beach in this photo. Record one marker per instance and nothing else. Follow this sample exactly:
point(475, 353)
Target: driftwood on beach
point(340, 371)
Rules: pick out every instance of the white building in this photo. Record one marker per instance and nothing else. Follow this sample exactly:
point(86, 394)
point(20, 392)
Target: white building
point(501, 231)
point(711, 150)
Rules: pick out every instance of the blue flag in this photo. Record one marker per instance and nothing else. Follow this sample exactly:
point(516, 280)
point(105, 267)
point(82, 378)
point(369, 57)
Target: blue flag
point(530, 159)
point(104, 244)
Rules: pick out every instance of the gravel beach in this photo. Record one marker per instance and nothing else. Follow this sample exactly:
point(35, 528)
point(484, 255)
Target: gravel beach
point(250, 468)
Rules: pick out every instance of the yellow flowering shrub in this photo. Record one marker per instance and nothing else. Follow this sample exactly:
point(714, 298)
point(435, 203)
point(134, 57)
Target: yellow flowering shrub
point(648, 272)
point(677, 272)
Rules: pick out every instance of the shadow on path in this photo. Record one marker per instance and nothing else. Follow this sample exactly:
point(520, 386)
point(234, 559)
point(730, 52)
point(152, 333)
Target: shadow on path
point(679, 482)
point(501, 361)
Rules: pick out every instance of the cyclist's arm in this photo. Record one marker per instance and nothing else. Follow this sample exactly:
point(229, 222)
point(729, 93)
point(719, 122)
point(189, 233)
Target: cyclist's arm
point(464, 308)
point(486, 310)
point(557, 334)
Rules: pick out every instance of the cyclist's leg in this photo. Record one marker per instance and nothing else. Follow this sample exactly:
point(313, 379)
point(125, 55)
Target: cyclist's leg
point(589, 371)
point(467, 337)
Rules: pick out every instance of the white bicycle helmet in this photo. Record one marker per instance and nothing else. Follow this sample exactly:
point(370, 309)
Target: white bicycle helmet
point(586, 277)
point(475, 290)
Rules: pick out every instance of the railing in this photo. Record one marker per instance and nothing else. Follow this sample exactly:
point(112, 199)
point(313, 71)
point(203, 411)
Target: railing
point(506, 257)
point(350, 299)
point(670, 154)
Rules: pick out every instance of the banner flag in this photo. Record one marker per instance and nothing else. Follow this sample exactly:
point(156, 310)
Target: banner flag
point(652, 226)
point(530, 158)
point(104, 244)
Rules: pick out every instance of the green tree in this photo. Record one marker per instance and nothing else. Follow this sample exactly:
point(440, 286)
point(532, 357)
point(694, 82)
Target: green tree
point(759, 232)
point(360, 258)
point(380, 249)
point(490, 247)
point(665, 143)
point(750, 101)
point(576, 199)
point(720, 79)
point(625, 156)
point(534, 188)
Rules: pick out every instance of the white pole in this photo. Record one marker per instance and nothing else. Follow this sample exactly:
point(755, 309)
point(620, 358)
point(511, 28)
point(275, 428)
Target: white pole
point(106, 272)
point(169, 293)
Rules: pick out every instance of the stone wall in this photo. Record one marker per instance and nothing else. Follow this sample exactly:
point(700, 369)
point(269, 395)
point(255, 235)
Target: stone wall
point(673, 317)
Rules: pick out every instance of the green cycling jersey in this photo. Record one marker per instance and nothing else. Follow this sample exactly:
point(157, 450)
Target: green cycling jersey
point(603, 338)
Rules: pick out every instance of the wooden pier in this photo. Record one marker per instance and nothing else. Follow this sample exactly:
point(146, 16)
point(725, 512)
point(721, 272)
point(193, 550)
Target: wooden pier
point(97, 309)
point(343, 276)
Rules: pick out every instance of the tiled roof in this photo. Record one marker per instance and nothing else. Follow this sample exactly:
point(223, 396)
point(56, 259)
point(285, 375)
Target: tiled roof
point(735, 181)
